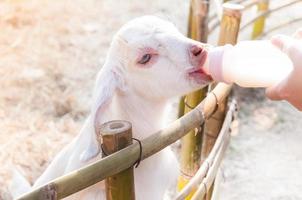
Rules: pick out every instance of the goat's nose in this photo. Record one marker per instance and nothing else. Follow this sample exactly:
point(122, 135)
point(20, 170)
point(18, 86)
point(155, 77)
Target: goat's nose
point(196, 50)
point(197, 55)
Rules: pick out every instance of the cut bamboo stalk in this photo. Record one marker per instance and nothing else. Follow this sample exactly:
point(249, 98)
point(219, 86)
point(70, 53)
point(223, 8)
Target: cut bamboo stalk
point(191, 143)
point(201, 17)
point(114, 136)
point(230, 23)
point(95, 172)
point(229, 30)
point(262, 6)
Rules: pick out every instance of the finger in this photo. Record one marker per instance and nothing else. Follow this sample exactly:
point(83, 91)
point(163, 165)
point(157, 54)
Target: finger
point(298, 34)
point(294, 52)
point(283, 42)
point(273, 94)
point(277, 41)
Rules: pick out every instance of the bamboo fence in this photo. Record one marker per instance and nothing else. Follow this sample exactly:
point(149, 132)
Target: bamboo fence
point(268, 12)
point(125, 158)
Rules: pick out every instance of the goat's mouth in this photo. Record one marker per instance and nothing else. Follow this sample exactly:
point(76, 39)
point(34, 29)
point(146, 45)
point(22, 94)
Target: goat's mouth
point(199, 75)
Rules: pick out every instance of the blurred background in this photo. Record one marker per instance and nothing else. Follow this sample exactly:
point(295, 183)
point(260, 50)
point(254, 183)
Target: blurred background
point(50, 53)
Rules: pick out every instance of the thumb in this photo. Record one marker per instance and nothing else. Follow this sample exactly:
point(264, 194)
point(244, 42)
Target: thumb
point(290, 46)
point(273, 93)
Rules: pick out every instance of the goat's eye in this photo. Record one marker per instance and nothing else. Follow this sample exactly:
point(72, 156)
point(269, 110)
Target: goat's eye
point(146, 58)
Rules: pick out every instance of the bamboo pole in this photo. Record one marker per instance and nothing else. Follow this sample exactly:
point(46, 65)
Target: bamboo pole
point(125, 158)
point(262, 6)
point(210, 160)
point(191, 143)
point(230, 24)
point(181, 107)
point(201, 17)
point(114, 136)
point(229, 30)
point(216, 23)
point(197, 30)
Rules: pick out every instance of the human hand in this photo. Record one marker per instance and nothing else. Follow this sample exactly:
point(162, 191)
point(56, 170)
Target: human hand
point(290, 89)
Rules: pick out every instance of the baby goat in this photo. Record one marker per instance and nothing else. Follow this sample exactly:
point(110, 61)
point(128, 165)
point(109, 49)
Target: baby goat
point(149, 62)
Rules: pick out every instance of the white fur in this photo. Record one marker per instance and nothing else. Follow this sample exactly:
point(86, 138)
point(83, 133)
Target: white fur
point(139, 94)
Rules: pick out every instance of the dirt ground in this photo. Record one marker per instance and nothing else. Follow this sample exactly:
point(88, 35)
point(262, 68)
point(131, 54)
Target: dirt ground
point(50, 52)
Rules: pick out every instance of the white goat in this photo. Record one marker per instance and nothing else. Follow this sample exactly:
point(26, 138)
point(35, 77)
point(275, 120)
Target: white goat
point(149, 62)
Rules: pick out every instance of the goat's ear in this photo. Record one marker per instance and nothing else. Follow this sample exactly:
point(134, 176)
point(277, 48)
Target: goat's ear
point(108, 81)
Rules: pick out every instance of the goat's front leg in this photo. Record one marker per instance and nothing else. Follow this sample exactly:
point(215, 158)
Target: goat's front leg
point(56, 167)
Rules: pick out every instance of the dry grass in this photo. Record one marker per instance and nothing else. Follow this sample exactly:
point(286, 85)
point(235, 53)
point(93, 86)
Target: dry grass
point(49, 56)
point(50, 53)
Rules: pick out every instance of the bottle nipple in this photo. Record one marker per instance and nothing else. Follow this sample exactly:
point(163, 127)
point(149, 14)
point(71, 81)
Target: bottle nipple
point(215, 62)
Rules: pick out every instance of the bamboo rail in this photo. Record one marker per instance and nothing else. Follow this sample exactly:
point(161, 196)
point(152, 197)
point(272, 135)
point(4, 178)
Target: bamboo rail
point(280, 26)
point(260, 15)
point(114, 136)
point(268, 12)
point(123, 159)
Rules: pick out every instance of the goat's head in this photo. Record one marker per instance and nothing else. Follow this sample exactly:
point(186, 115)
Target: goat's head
point(151, 58)
point(156, 60)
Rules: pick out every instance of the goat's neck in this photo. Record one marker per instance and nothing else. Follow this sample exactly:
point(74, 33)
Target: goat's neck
point(146, 116)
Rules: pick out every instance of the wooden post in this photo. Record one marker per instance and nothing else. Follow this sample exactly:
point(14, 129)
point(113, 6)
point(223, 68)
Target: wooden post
point(263, 6)
point(191, 143)
point(114, 136)
point(229, 30)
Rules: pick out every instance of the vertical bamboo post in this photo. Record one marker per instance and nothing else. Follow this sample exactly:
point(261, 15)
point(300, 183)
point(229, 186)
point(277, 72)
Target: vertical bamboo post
point(191, 143)
point(229, 30)
point(230, 23)
point(259, 24)
point(114, 136)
